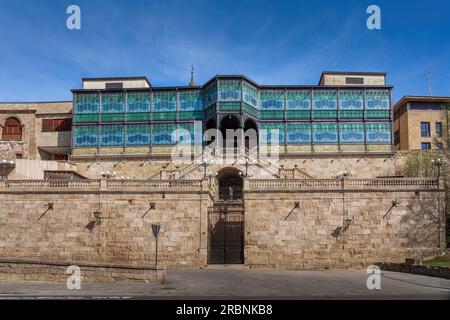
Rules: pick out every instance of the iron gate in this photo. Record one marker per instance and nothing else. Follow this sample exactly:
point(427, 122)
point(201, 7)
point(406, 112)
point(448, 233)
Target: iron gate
point(226, 237)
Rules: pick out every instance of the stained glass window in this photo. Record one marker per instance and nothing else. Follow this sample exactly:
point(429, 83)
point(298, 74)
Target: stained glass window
point(211, 94)
point(298, 100)
point(351, 100)
point(112, 135)
point(230, 90)
point(190, 100)
point(351, 132)
point(85, 136)
point(113, 102)
point(165, 101)
point(325, 133)
point(272, 133)
point(250, 94)
point(186, 135)
point(87, 103)
point(325, 100)
point(378, 132)
point(377, 100)
point(162, 134)
point(272, 100)
point(138, 134)
point(299, 133)
point(138, 102)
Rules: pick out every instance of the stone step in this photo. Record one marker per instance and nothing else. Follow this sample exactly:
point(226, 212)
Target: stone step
point(227, 266)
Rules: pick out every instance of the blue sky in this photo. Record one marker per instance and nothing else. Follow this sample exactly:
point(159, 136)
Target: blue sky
point(272, 42)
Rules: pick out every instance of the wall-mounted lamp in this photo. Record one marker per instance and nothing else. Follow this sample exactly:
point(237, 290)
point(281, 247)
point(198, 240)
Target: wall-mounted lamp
point(347, 223)
point(98, 217)
point(296, 205)
point(395, 203)
point(152, 206)
point(50, 206)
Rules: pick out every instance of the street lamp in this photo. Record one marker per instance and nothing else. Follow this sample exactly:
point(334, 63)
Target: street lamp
point(4, 164)
point(205, 164)
point(108, 175)
point(247, 163)
point(439, 163)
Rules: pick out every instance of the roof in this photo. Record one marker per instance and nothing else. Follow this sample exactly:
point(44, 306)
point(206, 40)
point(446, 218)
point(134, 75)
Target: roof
point(118, 79)
point(426, 99)
point(351, 73)
point(238, 76)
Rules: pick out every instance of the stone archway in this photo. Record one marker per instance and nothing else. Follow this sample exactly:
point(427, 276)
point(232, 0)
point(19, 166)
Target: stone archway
point(251, 134)
point(230, 122)
point(226, 220)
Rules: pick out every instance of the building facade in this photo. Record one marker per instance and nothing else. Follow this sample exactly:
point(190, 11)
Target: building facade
point(129, 116)
point(421, 123)
point(333, 198)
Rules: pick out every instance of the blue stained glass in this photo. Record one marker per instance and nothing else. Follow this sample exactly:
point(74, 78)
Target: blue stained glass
point(250, 94)
point(162, 134)
point(185, 133)
point(138, 134)
point(190, 100)
point(272, 133)
point(113, 102)
point(87, 103)
point(85, 136)
point(351, 100)
point(272, 100)
point(138, 102)
point(325, 133)
point(325, 100)
point(299, 133)
point(112, 135)
point(165, 101)
point(377, 100)
point(299, 100)
point(211, 95)
point(378, 132)
point(230, 90)
point(351, 132)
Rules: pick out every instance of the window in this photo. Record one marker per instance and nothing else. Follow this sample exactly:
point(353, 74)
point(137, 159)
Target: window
point(425, 129)
point(354, 80)
point(113, 85)
point(425, 146)
point(397, 137)
point(439, 129)
point(12, 130)
point(56, 125)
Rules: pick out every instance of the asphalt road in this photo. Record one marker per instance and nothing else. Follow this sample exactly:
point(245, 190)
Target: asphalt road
point(247, 284)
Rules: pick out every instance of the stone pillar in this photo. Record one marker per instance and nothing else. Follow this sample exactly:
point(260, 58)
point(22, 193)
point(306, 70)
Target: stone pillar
point(205, 202)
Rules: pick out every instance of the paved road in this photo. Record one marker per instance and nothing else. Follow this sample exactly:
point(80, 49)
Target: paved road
point(248, 284)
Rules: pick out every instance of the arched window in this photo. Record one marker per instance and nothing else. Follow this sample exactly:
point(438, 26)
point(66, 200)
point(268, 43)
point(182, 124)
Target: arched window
point(12, 130)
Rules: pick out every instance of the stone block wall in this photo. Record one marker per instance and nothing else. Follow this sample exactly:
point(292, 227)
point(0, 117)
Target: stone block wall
point(38, 271)
point(70, 232)
point(279, 235)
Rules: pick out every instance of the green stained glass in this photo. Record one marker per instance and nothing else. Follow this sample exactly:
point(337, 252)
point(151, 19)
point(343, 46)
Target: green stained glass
point(230, 90)
point(299, 114)
point(325, 99)
point(272, 115)
point(138, 102)
point(377, 114)
point(87, 103)
point(191, 115)
point(113, 102)
point(79, 118)
point(298, 99)
point(190, 100)
point(250, 94)
point(351, 99)
point(210, 96)
point(141, 116)
point(112, 117)
point(250, 110)
point(165, 101)
point(272, 100)
point(324, 114)
point(224, 106)
point(158, 116)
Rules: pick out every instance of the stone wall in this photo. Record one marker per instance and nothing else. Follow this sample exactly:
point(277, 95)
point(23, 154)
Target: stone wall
point(110, 222)
point(38, 271)
point(279, 235)
point(69, 230)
